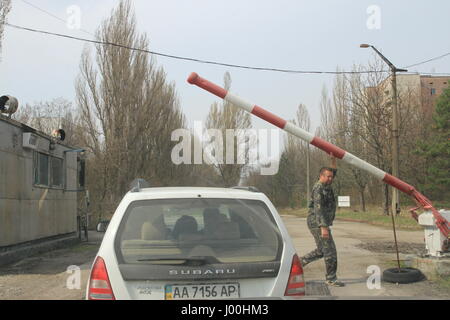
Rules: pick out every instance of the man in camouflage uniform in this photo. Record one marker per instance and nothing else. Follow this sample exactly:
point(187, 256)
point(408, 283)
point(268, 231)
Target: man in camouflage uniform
point(322, 209)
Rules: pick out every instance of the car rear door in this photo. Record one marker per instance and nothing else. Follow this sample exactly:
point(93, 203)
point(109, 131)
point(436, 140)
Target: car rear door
point(234, 249)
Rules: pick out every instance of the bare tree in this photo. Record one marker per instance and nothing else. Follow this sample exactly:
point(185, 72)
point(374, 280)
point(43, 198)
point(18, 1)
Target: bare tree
point(225, 116)
point(288, 187)
point(357, 118)
point(356, 145)
point(361, 114)
point(47, 116)
point(333, 130)
point(298, 153)
point(5, 8)
point(371, 114)
point(326, 130)
point(128, 109)
point(346, 126)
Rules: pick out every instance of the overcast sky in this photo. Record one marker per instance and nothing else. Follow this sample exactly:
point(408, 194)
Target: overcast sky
point(302, 35)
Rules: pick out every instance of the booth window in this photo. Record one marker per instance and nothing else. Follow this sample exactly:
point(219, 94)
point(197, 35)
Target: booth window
point(48, 171)
point(81, 173)
point(41, 169)
point(56, 172)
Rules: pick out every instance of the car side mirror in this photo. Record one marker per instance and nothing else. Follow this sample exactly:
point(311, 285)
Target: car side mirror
point(102, 226)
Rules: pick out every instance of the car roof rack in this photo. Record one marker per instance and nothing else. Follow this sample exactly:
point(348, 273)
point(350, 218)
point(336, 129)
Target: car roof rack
point(247, 188)
point(138, 184)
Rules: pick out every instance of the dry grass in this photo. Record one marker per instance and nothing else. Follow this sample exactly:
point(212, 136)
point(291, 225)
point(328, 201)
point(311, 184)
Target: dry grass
point(374, 215)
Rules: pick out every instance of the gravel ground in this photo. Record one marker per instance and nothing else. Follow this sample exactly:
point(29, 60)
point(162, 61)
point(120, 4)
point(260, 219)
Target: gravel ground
point(44, 277)
point(359, 246)
point(362, 247)
point(389, 247)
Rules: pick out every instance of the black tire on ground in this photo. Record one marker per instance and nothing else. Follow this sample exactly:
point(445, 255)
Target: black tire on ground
point(406, 275)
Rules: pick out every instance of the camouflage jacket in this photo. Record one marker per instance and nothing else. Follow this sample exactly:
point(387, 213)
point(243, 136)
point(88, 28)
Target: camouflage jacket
point(322, 205)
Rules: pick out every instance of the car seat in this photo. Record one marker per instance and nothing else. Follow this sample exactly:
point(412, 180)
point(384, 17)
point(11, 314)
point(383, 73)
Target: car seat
point(155, 228)
point(184, 225)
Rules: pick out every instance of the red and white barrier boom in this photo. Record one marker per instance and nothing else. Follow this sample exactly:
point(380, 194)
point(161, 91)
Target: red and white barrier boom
point(329, 148)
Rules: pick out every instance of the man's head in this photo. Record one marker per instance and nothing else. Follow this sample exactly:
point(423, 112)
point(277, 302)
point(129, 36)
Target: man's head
point(326, 175)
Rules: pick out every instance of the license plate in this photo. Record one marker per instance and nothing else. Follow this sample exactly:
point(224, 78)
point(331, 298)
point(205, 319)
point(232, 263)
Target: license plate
point(202, 291)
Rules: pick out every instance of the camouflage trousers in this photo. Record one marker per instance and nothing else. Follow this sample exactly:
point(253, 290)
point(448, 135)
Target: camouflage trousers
point(325, 249)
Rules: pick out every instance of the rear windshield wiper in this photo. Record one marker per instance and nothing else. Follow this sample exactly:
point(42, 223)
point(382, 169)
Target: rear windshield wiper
point(196, 260)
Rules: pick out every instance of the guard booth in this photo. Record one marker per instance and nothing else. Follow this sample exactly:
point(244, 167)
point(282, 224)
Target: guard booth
point(39, 182)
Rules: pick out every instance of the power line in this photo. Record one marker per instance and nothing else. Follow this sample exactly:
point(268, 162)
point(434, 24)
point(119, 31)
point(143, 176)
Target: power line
point(254, 68)
point(187, 58)
point(430, 73)
point(194, 59)
point(44, 11)
point(53, 15)
point(429, 60)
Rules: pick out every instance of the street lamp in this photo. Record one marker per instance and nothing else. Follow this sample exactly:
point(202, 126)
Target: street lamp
point(395, 133)
point(395, 173)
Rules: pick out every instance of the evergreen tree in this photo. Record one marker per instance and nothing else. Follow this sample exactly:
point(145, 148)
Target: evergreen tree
point(437, 151)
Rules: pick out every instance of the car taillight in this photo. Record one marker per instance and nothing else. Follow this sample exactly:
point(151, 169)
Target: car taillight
point(99, 285)
point(296, 283)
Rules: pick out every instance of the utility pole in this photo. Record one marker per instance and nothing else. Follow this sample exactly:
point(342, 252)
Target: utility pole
point(308, 194)
point(395, 132)
point(395, 148)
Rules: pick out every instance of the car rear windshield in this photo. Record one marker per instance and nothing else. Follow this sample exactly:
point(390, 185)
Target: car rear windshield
point(174, 231)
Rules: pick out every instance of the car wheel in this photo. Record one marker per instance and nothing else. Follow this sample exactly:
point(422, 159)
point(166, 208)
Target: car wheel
point(404, 275)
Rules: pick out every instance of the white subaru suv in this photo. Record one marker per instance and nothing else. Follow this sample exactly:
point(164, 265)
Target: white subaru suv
point(195, 243)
